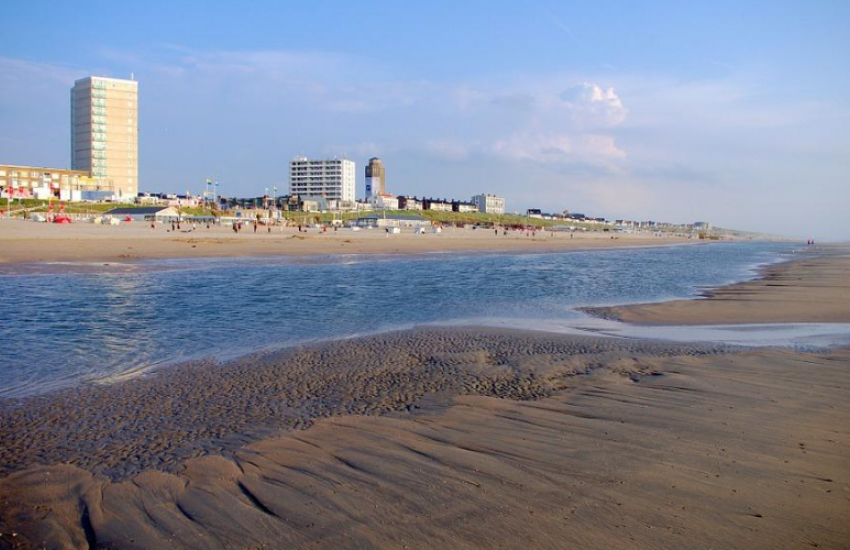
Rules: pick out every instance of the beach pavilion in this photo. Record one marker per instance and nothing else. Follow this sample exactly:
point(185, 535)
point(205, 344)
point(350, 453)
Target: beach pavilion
point(162, 214)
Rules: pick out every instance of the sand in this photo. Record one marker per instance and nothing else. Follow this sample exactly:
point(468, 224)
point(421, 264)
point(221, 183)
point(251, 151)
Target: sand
point(25, 241)
point(815, 290)
point(454, 438)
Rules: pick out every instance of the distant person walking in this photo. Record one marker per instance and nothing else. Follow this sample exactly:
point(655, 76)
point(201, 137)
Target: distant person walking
point(255, 226)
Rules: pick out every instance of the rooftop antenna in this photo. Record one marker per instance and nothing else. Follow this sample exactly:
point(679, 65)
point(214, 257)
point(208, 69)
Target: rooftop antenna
point(132, 76)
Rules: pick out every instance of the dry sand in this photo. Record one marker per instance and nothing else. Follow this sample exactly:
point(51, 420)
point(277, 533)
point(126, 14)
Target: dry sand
point(815, 290)
point(452, 438)
point(24, 241)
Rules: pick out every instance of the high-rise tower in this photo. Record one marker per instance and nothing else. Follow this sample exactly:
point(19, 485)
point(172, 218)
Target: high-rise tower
point(375, 177)
point(105, 132)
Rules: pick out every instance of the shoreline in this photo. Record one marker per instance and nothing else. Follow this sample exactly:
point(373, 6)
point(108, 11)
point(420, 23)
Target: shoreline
point(23, 242)
point(455, 437)
point(814, 289)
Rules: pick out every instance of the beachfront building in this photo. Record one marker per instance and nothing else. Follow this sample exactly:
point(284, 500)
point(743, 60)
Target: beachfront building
point(35, 182)
point(326, 179)
point(105, 132)
point(464, 206)
point(376, 175)
point(393, 220)
point(409, 203)
point(439, 205)
point(489, 204)
point(162, 214)
point(383, 201)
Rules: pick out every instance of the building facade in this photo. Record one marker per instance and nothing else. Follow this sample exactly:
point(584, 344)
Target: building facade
point(383, 201)
point(376, 178)
point(105, 132)
point(327, 179)
point(392, 220)
point(407, 202)
point(439, 205)
point(33, 182)
point(464, 207)
point(489, 204)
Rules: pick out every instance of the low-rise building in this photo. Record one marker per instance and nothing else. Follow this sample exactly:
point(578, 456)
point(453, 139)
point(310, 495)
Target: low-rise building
point(489, 204)
point(409, 203)
point(392, 220)
point(439, 205)
point(144, 214)
point(464, 206)
point(35, 182)
point(383, 201)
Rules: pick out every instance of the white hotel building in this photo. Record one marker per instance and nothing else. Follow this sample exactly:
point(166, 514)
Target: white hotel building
point(328, 179)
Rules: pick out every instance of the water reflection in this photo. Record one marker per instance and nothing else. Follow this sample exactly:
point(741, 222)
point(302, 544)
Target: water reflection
point(62, 327)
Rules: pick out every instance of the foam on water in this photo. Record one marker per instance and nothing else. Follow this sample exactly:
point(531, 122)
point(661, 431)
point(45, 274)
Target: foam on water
point(799, 336)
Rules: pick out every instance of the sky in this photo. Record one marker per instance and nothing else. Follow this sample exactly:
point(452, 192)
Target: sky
point(736, 113)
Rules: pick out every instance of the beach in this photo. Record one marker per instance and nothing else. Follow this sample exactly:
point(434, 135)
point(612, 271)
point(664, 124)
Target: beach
point(24, 241)
point(458, 438)
point(814, 290)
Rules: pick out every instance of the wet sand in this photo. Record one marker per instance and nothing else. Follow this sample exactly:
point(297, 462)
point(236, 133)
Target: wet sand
point(454, 438)
point(25, 242)
point(815, 290)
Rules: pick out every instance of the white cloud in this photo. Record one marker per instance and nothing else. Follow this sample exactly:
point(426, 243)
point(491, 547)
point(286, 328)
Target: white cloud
point(592, 149)
point(594, 106)
point(540, 122)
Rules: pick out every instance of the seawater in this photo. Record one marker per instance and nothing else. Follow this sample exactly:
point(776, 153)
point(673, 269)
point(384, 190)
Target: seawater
point(66, 324)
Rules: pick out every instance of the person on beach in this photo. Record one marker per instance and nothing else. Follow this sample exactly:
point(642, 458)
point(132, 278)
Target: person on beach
point(255, 226)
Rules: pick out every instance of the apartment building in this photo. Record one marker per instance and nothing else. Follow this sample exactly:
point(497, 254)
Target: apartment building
point(489, 204)
point(105, 132)
point(35, 182)
point(330, 179)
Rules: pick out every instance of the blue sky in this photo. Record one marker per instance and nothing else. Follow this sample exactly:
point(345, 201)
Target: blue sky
point(731, 112)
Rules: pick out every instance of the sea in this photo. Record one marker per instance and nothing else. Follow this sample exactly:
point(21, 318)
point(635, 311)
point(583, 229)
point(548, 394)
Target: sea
point(65, 324)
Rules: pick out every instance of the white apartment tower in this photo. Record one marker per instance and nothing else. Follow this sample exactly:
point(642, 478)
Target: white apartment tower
point(331, 179)
point(105, 132)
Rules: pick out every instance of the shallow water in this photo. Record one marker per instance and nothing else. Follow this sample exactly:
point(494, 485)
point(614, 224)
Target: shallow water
point(63, 324)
